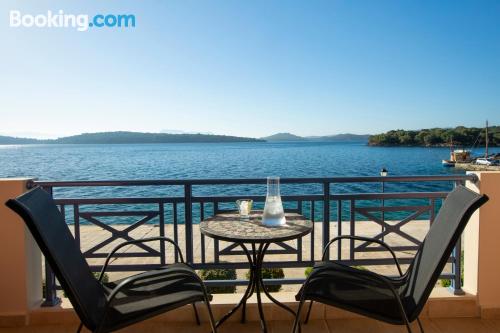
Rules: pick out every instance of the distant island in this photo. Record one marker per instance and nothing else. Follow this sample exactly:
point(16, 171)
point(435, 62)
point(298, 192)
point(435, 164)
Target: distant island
point(332, 138)
point(438, 137)
point(10, 140)
point(344, 137)
point(137, 137)
point(434, 137)
point(283, 137)
point(128, 138)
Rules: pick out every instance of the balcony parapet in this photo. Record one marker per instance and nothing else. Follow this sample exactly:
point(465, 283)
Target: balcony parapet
point(482, 246)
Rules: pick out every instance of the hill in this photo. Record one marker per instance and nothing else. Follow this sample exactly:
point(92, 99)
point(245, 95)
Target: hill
point(283, 137)
point(135, 137)
point(130, 137)
point(347, 137)
point(438, 137)
point(9, 140)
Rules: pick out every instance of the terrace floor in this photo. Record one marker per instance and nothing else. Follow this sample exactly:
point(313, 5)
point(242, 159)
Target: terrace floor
point(443, 313)
point(441, 325)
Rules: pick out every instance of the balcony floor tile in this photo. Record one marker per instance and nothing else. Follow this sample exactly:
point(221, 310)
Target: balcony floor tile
point(354, 325)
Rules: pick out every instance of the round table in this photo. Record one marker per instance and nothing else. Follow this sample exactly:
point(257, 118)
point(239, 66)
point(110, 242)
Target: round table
point(229, 227)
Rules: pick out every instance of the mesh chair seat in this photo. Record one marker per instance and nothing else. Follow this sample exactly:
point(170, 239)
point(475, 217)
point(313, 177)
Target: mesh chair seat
point(152, 295)
point(353, 290)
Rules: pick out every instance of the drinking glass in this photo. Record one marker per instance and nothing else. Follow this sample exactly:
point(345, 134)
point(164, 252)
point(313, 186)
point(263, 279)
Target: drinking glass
point(244, 208)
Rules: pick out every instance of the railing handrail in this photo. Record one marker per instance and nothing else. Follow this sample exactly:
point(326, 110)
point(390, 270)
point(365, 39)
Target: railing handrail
point(231, 198)
point(249, 181)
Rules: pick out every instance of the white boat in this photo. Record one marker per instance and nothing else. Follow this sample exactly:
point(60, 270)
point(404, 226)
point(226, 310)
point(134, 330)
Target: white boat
point(463, 156)
point(457, 156)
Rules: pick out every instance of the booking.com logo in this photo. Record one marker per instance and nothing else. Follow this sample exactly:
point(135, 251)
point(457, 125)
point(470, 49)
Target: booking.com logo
point(80, 22)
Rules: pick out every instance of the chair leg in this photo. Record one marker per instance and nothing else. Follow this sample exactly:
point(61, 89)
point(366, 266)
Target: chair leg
point(196, 314)
point(296, 323)
point(210, 316)
point(420, 325)
point(308, 312)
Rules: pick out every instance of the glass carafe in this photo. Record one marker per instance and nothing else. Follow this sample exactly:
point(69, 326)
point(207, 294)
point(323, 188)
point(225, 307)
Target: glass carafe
point(273, 215)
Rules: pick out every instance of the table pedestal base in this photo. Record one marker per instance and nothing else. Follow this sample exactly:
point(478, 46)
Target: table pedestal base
point(255, 285)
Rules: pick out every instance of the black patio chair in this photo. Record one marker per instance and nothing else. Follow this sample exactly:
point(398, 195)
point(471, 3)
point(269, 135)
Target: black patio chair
point(394, 300)
point(106, 307)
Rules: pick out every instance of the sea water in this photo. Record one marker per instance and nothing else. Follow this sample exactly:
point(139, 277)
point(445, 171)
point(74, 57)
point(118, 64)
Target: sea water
point(225, 160)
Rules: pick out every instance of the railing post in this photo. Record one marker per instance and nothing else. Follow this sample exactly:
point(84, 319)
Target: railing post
point(188, 223)
point(339, 229)
point(51, 298)
point(216, 242)
point(352, 230)
point(202, 236)
point(383, 209)
point(161, 214)
point(326, 216)
point(456, 268)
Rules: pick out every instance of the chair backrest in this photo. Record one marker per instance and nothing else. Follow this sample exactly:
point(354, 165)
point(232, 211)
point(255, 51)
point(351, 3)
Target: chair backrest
point(47, 225)
point(438, 245)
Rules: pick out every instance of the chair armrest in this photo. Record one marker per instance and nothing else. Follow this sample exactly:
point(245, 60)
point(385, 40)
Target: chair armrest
point(364, 239)
point(139, 241)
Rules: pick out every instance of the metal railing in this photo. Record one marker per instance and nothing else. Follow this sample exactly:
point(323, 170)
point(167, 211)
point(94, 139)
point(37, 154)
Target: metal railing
point(327, 205)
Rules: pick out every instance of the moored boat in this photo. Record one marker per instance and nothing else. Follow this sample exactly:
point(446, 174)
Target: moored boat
point(457, 156)
point(461, 158)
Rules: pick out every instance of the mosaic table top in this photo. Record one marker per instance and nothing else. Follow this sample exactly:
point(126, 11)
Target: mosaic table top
point(230, 227)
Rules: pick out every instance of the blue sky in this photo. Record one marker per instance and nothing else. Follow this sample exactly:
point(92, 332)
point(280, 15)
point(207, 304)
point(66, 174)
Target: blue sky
point(253, 68)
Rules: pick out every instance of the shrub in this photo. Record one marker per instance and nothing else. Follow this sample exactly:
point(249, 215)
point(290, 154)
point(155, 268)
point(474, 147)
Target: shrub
point(219, 274)
point(105, 277)
point(447, 282)
point(361, 268)
point(271, 273)
point(309, 270)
